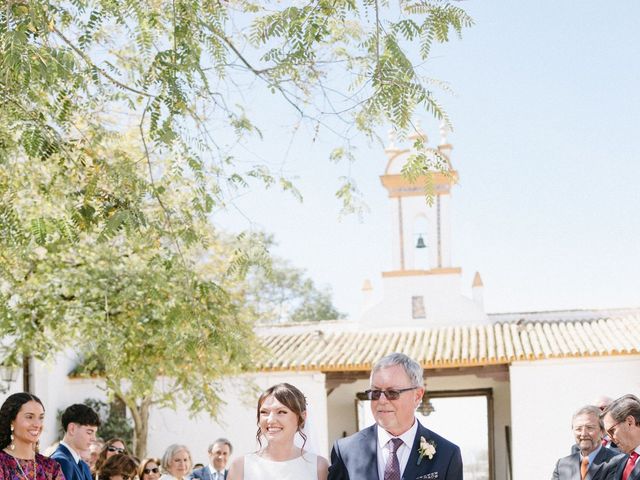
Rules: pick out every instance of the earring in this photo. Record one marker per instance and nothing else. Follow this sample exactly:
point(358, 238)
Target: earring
point(13, 445)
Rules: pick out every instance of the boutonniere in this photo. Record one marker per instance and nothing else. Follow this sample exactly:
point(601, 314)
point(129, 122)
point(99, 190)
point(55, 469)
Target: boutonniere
point(426, 449)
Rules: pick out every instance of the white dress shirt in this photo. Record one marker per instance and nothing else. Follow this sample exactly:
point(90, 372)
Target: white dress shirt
point(74, 454)
point(215, 474)
point(403, 452)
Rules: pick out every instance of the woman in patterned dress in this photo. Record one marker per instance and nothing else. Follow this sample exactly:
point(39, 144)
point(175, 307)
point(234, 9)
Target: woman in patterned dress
point(21, 422)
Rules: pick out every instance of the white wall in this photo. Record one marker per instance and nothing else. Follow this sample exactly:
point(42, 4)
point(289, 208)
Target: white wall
point(544, 395)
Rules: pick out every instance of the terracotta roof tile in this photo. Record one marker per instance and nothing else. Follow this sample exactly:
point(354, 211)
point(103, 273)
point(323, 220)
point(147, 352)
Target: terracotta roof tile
point(452, 347)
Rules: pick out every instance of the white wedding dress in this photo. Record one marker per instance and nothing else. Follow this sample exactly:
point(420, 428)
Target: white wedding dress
point(304, 467)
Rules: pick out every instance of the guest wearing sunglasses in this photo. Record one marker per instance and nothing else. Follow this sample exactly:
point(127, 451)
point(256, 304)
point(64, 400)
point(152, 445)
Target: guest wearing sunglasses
point(112, 447)
point(397, 446)
point(149, 469)
point(118, 467)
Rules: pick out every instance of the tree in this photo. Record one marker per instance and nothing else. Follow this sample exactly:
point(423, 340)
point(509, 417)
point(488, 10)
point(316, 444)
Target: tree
point(117, 121)
point(75, 73)
point(155, 319)
point(279, 293)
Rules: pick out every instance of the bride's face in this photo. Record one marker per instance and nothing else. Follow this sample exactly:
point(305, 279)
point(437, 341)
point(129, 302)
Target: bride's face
point(277, 421)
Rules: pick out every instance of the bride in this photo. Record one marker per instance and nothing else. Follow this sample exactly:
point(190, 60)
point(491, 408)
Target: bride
point(282, 411)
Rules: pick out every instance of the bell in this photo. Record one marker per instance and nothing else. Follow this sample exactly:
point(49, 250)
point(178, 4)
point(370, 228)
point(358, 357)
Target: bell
point(420, 243)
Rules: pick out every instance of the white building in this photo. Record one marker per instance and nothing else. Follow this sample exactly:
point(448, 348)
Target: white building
point(503, 386)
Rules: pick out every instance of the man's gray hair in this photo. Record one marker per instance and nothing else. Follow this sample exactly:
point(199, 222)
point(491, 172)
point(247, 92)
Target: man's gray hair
point(622, 407)
point(410, 366)
point(221, 441)
point(589, 410)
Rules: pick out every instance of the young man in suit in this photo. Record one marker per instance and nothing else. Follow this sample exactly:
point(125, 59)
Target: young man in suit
point(585, 463)
point(622, 423)
point(397, 446)
point(80, 424)
point(219, 453)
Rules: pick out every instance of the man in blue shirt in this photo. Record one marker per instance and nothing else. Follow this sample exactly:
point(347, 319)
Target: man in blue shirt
point(586, 463)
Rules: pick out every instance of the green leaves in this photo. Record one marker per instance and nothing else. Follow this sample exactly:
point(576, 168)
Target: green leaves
point(123, 125)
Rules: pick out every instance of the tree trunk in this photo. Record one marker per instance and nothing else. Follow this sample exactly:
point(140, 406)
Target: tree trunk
point(141, 428)
point(140, 414)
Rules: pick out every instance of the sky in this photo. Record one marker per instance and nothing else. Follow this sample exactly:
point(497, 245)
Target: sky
point(546, 140)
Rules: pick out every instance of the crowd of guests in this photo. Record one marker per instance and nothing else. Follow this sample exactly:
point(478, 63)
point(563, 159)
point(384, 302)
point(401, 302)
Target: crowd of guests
point(82, 455)
point(396, 447)
point(607, 444)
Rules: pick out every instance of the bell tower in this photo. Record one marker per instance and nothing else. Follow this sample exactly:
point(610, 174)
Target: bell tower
point(421, 231)
point(423, 286)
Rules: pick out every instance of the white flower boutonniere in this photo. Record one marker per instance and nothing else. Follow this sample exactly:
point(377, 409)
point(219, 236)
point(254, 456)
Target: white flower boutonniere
point(426, 449)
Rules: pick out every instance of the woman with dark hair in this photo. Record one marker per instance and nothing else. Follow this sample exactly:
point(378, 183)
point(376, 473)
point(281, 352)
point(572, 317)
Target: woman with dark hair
point(282, 412)
point(149, 469)
point(118, 467)
point(112, 447)
point(21, 422)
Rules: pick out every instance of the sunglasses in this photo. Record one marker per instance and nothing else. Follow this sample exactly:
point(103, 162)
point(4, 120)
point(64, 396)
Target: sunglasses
point(111, 448)
point(389, 394)
point(151, 470)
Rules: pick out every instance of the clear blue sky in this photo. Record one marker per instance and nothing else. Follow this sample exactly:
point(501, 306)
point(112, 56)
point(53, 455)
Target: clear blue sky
point(546, 114)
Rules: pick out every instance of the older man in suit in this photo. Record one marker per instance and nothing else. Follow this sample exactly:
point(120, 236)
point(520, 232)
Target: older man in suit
point(219, 453)
point(622, 423)
point(397, 446)
point(80, 424)
point(586, 463)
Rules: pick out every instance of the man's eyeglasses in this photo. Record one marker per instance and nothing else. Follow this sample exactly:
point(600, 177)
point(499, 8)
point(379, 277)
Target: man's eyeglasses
point(151, 470)
point(390, 394)
point(111, 448)
point(611, 432)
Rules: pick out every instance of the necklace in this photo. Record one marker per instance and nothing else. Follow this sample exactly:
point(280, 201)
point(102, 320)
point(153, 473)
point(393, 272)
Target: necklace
point(22, 472)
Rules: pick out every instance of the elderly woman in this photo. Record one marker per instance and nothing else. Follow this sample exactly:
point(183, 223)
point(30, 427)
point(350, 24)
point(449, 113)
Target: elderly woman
point(176, 463)
point(21, 422)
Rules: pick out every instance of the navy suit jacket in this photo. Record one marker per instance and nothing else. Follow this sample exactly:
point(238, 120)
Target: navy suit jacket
point(204, 473)
point(356, 458)
point(568, 468)
point(616, 467)
point(71, 469)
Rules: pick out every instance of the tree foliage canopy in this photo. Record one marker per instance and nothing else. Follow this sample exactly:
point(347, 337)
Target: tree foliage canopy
point(118, 121)
point(73, 73)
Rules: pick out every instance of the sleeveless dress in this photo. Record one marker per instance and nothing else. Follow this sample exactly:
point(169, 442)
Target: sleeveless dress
point(304, 467)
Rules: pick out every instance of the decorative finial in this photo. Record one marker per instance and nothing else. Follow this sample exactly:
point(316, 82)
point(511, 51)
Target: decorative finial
point(392, 139)
point(444, 131)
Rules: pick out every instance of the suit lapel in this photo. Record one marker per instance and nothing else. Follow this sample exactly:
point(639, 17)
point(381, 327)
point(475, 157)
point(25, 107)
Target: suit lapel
point(410, 471)
point(575, 466)
point(621, 466)
point(635, 473)
point(371, 452)
point(76, 466)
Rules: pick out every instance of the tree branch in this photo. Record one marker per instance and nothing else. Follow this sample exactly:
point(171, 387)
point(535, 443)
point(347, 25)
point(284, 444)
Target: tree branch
point(102, 72)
